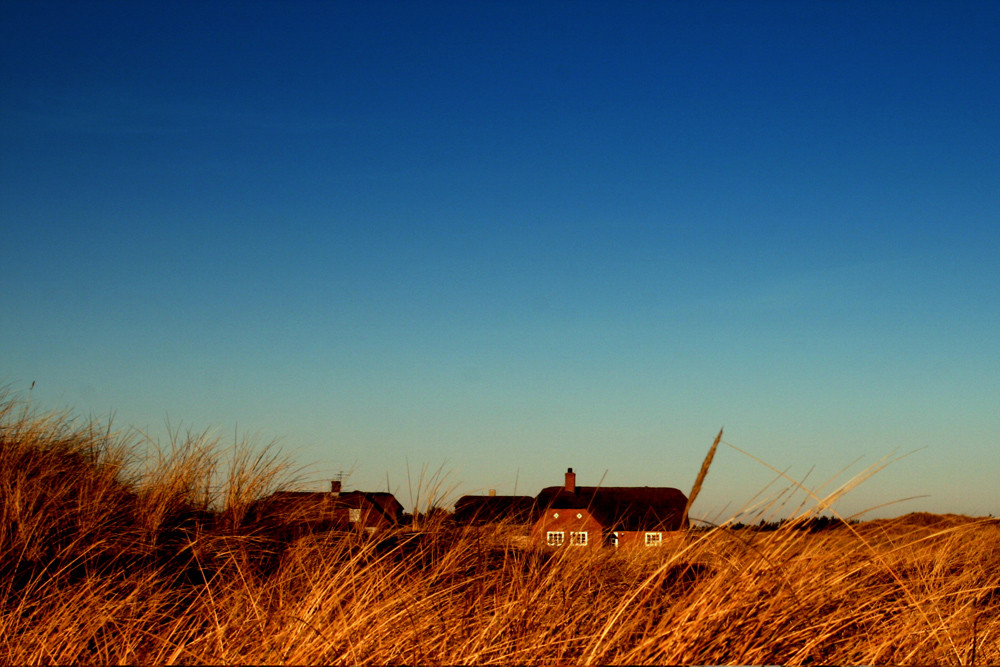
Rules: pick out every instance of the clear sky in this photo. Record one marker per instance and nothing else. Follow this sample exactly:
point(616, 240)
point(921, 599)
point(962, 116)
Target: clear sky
point(506, 238)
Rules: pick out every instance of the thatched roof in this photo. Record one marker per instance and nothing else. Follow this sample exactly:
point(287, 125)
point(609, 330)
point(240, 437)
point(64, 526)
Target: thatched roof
point(494, 509)
point(317, 505)
point(634, 508)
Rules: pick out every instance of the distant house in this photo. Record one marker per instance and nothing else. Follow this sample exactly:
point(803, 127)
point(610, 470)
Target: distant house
point(491, 509)
point(310, 511)
point(587, 516)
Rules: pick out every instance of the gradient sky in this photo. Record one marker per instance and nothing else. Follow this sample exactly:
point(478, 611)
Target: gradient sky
point(506, 238)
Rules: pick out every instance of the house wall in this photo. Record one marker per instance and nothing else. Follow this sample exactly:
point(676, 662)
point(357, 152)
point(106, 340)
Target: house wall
point(568, 521)
point(369, 517)
point(629, 539)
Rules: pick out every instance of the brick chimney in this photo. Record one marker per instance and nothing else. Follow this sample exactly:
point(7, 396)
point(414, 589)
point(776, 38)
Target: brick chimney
point(570, 485)
point(335, 487)
point(493, 492)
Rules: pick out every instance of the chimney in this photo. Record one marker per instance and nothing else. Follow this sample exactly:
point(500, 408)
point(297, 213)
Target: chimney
point(570, 481)
point(335, 487)
point(493, 492)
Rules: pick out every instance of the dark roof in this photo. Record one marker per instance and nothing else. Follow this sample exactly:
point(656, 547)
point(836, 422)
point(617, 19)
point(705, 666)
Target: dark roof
point(293, 505)
point(621, 507)
point(386, 503)
point(305, 505)
point(494, 509)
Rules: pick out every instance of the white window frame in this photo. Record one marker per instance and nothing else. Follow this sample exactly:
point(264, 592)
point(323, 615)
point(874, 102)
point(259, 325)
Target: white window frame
point(654, 539)
point(578, 538)
point(555, 538)
point(354, 515)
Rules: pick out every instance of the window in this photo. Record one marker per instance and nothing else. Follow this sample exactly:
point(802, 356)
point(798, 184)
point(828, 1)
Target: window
point(353, 515)
point(578, 539)
point(554, 538)
point(654, 539)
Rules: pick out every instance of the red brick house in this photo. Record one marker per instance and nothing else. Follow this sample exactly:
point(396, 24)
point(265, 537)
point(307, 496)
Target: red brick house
point(591, 516)
point(311, 511)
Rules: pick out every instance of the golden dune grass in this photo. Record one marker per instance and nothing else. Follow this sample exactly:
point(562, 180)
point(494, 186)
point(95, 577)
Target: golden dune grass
point(107, 559)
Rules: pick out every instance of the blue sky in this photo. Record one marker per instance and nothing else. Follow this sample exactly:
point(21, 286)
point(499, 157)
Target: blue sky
point(507, 238)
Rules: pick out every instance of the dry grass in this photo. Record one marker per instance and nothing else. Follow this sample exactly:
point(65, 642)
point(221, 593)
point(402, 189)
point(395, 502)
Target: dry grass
point(104, 560)
point(699, 480)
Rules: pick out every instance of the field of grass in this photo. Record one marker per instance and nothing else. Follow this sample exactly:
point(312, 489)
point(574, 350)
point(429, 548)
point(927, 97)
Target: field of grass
point(112, 551)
